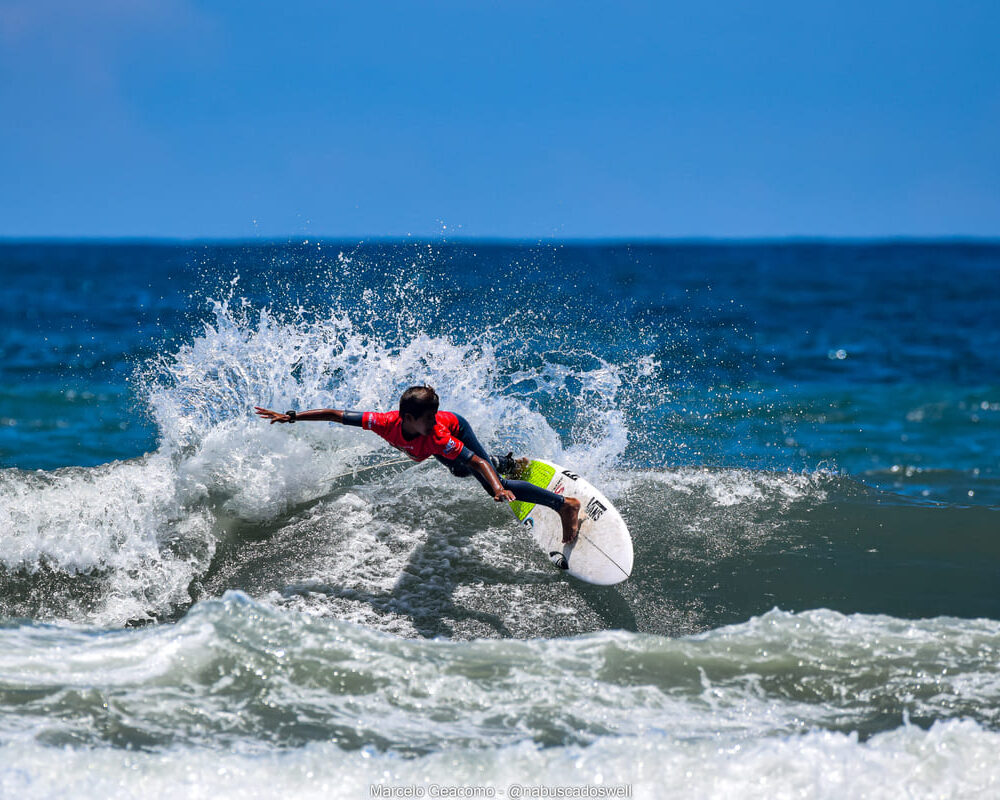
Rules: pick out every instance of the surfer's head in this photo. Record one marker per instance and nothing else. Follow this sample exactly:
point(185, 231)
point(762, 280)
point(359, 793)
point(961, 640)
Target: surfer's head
point(418, 409)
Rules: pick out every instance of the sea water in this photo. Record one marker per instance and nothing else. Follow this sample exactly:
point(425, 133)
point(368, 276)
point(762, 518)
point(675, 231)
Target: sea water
point(802, 437)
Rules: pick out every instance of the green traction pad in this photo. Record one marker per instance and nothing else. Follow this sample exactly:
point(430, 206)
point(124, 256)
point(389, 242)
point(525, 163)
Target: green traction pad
point(538, 474)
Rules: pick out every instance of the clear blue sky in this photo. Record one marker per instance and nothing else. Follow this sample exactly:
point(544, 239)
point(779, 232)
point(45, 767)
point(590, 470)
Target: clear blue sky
point(539, 120)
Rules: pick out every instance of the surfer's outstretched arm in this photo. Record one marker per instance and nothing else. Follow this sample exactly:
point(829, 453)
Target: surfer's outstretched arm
point(312, 415)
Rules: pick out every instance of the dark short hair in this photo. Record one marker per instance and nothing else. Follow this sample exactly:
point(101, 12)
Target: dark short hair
point(418, 400)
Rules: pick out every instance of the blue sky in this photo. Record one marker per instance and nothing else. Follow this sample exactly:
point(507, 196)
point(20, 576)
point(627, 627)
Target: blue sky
point(541, 120)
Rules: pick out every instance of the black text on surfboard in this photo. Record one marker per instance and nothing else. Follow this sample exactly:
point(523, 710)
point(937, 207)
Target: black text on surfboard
point(595, 508)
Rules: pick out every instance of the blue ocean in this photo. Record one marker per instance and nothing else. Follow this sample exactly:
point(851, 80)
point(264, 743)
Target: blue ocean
point(803, 438)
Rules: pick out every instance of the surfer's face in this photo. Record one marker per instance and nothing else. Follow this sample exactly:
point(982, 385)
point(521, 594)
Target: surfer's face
point(419, 426)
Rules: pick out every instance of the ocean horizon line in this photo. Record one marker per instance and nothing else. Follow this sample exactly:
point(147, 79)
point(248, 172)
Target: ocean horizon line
point(597, 241)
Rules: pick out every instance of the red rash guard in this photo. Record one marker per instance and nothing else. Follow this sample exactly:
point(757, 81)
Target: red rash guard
point(441, 441)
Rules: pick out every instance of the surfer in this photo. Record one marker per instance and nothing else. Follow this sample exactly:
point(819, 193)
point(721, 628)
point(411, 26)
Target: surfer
point(420, 430)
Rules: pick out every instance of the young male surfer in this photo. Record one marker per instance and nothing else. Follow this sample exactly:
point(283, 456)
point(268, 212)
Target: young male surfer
point(420, 430)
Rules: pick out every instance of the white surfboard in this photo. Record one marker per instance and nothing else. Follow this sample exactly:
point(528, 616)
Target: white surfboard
point(602, 553)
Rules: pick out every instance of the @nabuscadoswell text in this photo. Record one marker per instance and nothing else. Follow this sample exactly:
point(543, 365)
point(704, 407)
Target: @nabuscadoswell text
point(512, 791)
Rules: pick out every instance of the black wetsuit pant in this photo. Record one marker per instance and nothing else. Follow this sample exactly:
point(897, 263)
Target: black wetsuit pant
point(523, 491)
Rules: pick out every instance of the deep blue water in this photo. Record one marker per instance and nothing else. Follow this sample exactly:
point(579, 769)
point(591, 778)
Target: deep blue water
point(876, 360)
point(802, 437)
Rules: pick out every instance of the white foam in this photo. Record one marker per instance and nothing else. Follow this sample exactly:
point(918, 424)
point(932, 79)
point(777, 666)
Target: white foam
point(735, 487)
point(736, 711)
point(952, 759)
point(119, 519)
point(245, 359)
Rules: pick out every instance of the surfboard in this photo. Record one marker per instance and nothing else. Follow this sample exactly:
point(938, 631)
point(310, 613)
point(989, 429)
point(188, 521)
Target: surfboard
point(602, 553)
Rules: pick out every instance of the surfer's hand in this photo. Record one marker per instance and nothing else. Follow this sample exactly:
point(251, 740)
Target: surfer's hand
point(274, 416)
point(504, 494)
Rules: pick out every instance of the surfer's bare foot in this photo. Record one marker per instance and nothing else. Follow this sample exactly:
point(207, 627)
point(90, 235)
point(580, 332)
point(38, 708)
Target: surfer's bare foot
point(570, 516)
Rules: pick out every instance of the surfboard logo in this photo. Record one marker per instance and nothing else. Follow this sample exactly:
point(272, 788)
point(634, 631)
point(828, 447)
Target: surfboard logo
point(595, 508)
point(571, 475)
point(558, 559)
